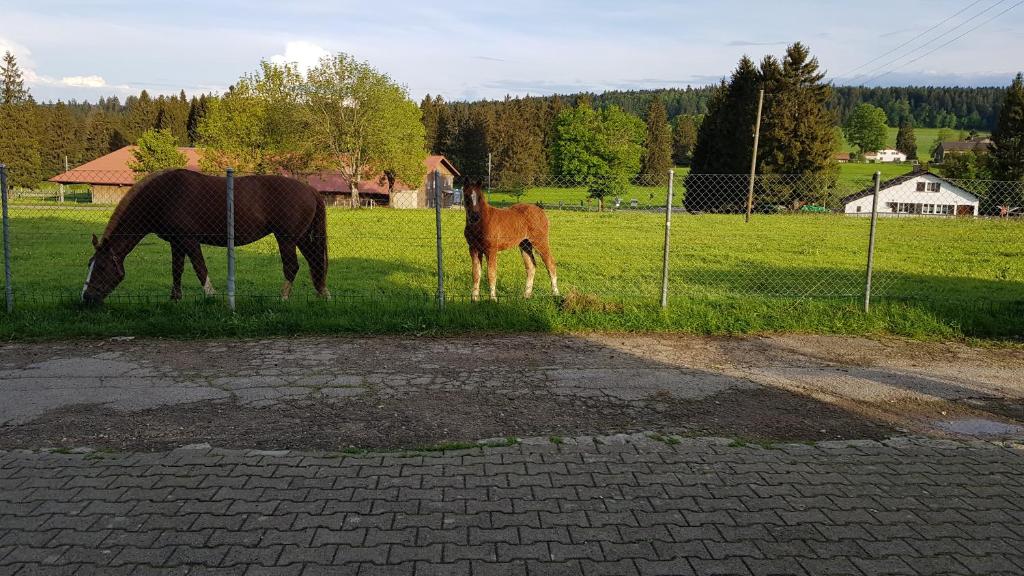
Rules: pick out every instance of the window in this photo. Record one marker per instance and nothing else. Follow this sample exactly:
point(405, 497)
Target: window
point(920, 186)
point(858, 208)
point(933, 186)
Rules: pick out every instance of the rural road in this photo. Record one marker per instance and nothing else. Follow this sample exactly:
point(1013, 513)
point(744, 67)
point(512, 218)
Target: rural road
point(633, 455)
point(399, 392)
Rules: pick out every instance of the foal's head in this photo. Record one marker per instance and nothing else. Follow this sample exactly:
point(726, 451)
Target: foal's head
point(105, 272)
point(474, 200)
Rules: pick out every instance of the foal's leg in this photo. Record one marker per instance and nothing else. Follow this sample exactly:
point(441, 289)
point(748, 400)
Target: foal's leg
point(475, 256)
point(492, 272)
point(177, 268)
point(195, 254)
point(531, 266)
point(544, 248)
point(290, 263)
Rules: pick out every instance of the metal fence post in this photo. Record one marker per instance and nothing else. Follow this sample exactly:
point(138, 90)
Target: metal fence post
point(668, 238)
point(231, 238)
point(8, 289)
point(438, 198)
point(871, 243)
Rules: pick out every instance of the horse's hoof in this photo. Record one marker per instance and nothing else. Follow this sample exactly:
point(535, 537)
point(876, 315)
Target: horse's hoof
point(175, 296)
point(325, 295)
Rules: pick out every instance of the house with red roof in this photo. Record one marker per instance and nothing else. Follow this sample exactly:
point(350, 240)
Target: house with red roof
point(109, 178)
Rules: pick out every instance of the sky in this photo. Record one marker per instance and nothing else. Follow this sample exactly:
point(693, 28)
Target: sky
point(468, 50)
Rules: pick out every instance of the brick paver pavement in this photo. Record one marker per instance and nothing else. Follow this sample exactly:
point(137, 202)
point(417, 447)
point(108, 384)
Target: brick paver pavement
point(620, 505)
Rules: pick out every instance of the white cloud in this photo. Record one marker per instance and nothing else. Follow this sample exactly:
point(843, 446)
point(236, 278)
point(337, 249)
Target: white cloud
point(303, 54)
point(84, 81)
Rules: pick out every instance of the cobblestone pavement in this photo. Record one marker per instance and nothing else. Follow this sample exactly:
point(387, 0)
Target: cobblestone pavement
point(610, 505)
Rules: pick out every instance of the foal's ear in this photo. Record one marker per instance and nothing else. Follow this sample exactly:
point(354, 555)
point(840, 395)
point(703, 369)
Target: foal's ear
point(95, 241)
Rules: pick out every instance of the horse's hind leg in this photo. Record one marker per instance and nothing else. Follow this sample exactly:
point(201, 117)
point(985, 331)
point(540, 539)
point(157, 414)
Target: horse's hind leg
point(195, 254)
point(289, 263)
point(531, 266)
point(314, 250)
point(177, 268)
point(544, 248)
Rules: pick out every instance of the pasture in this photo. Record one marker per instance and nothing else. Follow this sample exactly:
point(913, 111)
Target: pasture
point(935, 278)
point(925, 139)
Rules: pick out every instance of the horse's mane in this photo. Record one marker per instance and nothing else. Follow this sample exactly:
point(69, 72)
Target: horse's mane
point(125, 204)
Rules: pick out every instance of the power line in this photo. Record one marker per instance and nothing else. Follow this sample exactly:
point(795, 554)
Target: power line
point(929, 42)
point(969, 6)
point(937, 48)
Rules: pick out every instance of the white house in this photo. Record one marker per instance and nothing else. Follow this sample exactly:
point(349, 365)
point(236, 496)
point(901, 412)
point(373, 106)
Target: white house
point(914, 194)
point(887, 155)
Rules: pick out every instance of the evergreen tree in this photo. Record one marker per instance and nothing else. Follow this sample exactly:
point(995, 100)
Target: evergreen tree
point(430, 110)
point(1008, 137)
point(906, 142)
point(684, 137)
point(196, 113)
point(98, 134)
point(517, 149)
point(725, 141)
point(62, 139)
point(19, 118)
point(658, 159)
point(12, 86)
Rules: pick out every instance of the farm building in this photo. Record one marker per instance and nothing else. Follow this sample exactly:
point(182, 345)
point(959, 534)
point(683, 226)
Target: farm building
point(914, 194)
point(842, 157)
point(977, 145)
point(887, 155)
point(109, 178)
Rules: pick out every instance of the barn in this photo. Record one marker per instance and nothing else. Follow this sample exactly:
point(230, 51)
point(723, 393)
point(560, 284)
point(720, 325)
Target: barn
point(109, 178)
point(914, 194)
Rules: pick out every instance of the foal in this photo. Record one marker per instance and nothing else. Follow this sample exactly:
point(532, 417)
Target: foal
point(490, 230)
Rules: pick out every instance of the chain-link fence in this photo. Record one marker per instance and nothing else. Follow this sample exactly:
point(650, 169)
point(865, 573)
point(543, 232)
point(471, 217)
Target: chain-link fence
point(606, 240)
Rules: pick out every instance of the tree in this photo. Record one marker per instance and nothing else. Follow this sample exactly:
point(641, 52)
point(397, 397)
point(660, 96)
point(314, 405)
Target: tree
point(1008, 138)
point(943, 135)
point(866, 128)
point(364, 122)
point(601, 150)
point(906, 142)
point(684, 137)
point(966, 166)
point(13, 89)
point(725, 142)
point(798, 136)
point(157, 150)
point(658, 159)
point(517, 147)
point(260, 126)
point(19, 129)
point(196, 113)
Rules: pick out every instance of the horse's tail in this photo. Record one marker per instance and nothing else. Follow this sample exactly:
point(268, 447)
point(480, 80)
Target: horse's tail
point(314, 245)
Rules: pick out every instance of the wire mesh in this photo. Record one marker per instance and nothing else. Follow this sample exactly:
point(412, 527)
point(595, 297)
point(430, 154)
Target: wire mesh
point(604, 238)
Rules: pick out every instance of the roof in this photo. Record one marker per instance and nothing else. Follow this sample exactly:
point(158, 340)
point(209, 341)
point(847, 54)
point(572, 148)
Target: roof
point(436, 160)
point(896, 182)
point(113, 169)
point(966, 145)
point(842, 156)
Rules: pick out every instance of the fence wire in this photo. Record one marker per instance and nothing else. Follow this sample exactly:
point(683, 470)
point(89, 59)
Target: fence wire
point(807, 237)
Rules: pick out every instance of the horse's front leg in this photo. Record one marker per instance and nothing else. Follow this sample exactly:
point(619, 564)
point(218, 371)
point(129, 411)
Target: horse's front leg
point(475, 256)
point(492, 273)
point(195, 254)
point(177, 268)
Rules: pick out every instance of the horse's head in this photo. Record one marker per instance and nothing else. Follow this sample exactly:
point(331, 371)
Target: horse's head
point(105, 272)
point(474, 200)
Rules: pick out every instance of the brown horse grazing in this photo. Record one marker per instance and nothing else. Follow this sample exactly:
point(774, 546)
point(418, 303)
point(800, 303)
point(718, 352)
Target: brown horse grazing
point(490, 230)
point(187, 209)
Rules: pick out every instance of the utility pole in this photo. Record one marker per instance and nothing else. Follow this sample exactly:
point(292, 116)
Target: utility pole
point(753, 156)
point(488, 172)
point(62, 184)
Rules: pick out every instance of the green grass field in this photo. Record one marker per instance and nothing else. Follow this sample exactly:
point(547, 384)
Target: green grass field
point(935, 278)
point(925, 139)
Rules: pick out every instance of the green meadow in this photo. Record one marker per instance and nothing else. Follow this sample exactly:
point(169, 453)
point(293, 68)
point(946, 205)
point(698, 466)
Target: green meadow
point(934, 278)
